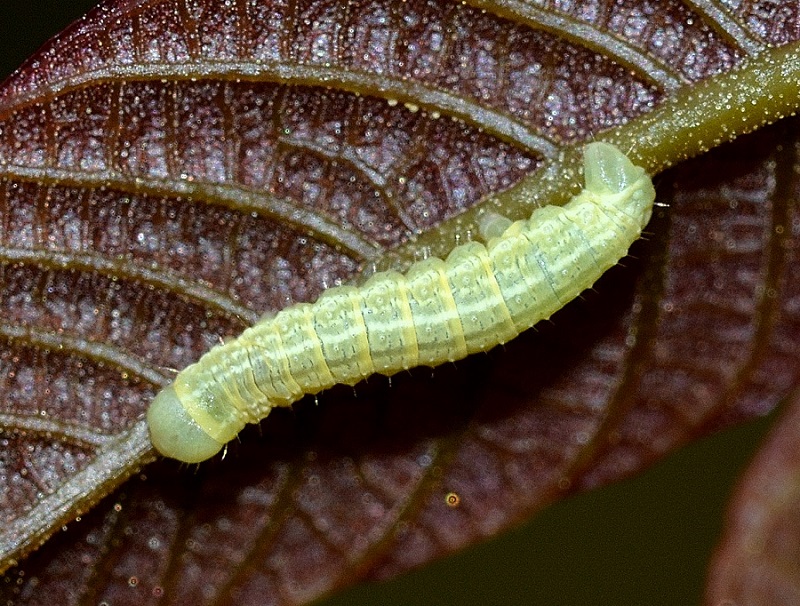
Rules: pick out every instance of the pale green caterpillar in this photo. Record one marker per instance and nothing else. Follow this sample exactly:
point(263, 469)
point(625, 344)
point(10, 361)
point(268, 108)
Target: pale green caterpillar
point(440, 311)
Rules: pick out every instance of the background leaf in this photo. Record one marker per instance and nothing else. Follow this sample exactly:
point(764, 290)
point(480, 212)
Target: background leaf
point(644, 540)
point(30, 585)
point(757, 562)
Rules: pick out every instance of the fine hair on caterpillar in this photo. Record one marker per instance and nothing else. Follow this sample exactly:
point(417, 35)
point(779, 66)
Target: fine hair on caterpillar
point(439, 311)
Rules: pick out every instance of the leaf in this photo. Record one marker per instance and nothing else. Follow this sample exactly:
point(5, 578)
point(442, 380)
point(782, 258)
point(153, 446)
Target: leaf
point(172, 170)
point(758, 561)
point(646, 540)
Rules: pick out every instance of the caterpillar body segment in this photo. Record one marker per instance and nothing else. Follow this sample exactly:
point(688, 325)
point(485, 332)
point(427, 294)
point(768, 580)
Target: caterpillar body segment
point(439, 311)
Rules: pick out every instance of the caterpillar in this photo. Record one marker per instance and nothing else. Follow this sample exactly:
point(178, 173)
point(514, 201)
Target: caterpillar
point(439, 311)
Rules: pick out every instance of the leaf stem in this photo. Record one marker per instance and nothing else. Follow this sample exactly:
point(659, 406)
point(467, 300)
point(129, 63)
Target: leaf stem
point(693, 120)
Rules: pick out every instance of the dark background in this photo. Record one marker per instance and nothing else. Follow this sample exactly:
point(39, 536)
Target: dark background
point(644, 541)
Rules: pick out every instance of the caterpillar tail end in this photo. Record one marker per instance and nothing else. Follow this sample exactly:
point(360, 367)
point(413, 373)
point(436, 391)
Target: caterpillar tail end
point(607, 170)
point(610, 175)
point(174, 433)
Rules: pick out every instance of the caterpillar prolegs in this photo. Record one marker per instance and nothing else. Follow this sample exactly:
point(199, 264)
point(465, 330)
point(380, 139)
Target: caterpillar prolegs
point(439, 311)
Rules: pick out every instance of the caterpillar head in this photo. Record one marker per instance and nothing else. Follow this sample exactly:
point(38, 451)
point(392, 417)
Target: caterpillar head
point(175, 433)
